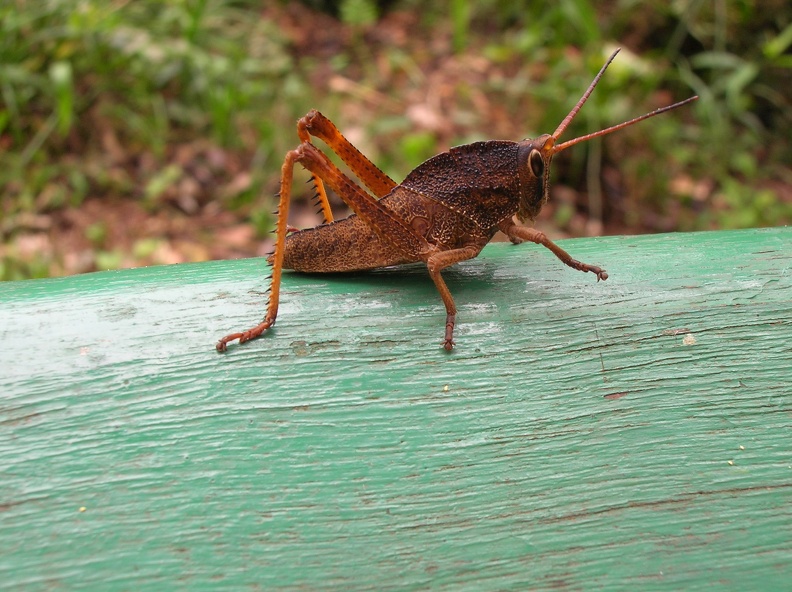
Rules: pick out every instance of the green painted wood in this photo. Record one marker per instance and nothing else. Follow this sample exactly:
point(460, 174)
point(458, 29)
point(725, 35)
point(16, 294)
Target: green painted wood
point(631, 434)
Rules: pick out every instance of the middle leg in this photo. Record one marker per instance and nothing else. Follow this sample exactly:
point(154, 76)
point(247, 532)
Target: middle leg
point(436, 263)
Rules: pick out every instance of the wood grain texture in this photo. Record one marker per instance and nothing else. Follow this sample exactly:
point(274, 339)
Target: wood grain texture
point(634, 433)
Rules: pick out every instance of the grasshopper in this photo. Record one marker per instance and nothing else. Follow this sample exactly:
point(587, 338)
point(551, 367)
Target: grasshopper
point(445, 211)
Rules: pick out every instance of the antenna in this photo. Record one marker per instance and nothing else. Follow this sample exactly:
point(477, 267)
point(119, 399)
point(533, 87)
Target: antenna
point(568, 119)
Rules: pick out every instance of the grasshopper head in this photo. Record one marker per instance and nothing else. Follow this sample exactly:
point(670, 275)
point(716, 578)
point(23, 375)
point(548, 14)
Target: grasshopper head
point(533, 160)
point(534, 156)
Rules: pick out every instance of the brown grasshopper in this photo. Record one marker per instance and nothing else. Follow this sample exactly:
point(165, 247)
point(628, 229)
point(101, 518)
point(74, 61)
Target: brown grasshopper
point(444, 212)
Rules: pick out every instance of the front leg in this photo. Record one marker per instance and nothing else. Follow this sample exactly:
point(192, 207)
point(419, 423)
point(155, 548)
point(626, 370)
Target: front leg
point(518, 234)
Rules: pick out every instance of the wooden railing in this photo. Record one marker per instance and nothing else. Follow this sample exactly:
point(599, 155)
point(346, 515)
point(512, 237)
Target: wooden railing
point(628, 434)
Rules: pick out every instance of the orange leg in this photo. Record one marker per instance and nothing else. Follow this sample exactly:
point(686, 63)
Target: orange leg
point(518, 234)
point(383, 221)
point(317, 125)
point(282, 229)
point(321, 198)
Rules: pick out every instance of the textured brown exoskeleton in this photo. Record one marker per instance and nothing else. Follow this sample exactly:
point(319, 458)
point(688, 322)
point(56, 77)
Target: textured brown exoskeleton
point(444, 212)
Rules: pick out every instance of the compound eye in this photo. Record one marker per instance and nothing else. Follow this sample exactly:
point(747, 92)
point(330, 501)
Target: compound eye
point(536, 163)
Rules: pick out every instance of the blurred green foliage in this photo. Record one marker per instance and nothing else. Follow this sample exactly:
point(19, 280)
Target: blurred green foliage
point(95, 94)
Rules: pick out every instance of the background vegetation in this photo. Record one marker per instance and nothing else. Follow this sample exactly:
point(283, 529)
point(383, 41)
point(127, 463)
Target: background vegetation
point(139, 132)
